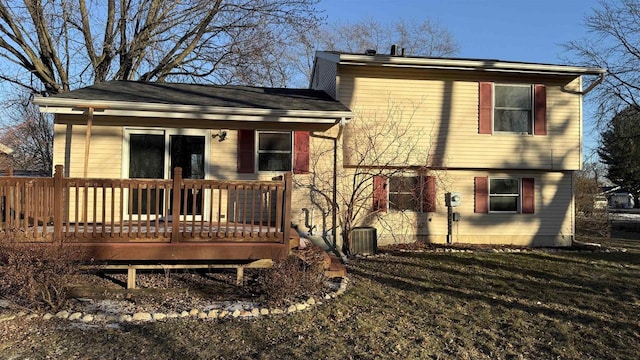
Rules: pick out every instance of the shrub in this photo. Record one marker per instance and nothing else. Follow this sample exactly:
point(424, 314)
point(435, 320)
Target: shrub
point(292, 279)
point(37, 275)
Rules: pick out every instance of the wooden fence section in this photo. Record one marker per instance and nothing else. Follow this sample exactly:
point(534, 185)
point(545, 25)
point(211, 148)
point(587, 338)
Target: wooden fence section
point(146, 211)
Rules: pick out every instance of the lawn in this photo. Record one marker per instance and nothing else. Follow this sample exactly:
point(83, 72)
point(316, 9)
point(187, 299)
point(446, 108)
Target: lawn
point(404, 305)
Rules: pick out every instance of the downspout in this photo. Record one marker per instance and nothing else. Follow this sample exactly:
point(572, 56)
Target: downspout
point(322, 241)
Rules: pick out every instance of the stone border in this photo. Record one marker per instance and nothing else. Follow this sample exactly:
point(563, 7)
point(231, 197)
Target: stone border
point(229, 312)
point(582, 247)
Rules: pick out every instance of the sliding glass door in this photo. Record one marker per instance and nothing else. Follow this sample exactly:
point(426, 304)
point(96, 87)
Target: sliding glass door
point(154, 154)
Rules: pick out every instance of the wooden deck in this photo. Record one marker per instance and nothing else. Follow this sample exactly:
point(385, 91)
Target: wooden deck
point(136, 220)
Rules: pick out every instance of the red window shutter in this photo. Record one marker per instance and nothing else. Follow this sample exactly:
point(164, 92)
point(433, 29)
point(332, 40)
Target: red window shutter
point(528, 196)
point(300, 152)
point(380, 193)
point(539, 109)
point(429, 194)
point(485, 111)
point(482, 195)
point(246, 151)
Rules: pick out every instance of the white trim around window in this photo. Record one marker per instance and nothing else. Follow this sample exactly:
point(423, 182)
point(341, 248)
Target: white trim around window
point(505, 195)
point(274, 152)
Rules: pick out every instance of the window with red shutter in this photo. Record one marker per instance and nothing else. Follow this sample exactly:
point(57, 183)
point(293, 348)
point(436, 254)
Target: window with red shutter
point(485, 110)
point(380, 193)
point(246, 151)
point(481, 195)
point(528, 196)
point(429, 194)
point(540, 110)
point(301, 152)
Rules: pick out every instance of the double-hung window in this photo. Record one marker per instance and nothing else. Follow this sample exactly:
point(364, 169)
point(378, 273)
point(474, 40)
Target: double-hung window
point(504, 195)
point(513, 109)
point(274, 150)
point(404, 193)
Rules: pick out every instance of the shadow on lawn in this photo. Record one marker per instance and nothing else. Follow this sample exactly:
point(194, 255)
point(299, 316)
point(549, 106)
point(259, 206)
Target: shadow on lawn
point(464, 281)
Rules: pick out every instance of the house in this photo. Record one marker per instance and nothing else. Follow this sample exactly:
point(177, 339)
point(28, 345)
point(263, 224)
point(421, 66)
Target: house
point(498, 141)
point(618, 197)
point(6, 158)
point(482, 151)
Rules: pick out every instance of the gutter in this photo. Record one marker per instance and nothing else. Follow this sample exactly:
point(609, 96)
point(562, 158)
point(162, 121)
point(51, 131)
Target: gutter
point(115, 108)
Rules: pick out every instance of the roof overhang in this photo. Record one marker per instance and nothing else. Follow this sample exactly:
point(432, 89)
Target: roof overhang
point(178, 111)
point(487, 65)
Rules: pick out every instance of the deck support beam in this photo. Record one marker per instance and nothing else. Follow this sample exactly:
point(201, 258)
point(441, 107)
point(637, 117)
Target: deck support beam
point(132, 269)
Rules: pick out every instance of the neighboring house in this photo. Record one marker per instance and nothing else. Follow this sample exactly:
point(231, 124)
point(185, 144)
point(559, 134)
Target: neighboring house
point(505, 136)
point(6, 158)
point(618, 197)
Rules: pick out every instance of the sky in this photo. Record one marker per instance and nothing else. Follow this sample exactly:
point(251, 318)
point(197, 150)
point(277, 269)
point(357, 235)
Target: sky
point(512, 30)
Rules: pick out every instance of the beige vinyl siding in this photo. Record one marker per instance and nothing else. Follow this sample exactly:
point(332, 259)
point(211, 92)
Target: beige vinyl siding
point(442, 107)
point(550, 225)
point(105, 150)
point(324, 77)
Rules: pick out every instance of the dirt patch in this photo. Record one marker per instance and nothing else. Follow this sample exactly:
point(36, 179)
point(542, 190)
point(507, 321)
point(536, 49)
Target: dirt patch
point(160, 291)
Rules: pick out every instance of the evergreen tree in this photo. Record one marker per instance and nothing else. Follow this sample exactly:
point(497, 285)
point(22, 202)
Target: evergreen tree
point(620, 149)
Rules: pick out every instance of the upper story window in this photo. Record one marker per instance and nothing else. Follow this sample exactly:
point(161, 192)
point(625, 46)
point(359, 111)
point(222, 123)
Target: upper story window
point(504, 195)
point(274, 150)
point(513, 109)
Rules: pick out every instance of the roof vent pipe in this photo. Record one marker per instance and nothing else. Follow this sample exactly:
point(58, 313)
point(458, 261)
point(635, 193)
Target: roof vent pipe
point(402, 52)
point(394, 50)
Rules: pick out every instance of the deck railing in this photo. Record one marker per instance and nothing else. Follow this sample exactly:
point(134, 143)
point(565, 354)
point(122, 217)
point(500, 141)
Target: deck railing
point(145, 210)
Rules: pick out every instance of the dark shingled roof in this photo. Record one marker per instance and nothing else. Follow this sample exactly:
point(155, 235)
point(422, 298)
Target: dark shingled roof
point(207, 95)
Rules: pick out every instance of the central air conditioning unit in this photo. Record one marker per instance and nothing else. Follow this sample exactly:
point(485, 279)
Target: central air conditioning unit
point(364, 240)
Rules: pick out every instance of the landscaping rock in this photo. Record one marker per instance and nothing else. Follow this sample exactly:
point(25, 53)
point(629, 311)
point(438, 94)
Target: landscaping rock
point(64, 314)
point(172, 315)
point(75, 316)
point(194, 312)
point(47, 316)
point(87, 318)
point(142, 316)
point(125, 318)
point(159, 316)
point(184, 314)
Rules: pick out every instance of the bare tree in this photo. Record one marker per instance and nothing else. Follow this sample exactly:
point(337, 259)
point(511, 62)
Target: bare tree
point(30, 134)
point(426, 38)
point(54, 46)
point(613, 35)
point(374, 144)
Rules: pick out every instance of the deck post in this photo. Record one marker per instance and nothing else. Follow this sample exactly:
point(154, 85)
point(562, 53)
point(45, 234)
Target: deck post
point(175, 209)
point(286, 209)
point(58, 204)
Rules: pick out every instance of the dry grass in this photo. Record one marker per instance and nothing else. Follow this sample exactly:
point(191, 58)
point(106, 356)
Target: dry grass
point(534, 305)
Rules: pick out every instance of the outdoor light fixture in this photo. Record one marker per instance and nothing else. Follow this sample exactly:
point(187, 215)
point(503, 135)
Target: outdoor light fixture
point(221, 135)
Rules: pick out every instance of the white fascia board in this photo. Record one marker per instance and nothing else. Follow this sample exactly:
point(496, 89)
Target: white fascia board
point(198, 116)
point(118, 108)
point(463, 64)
